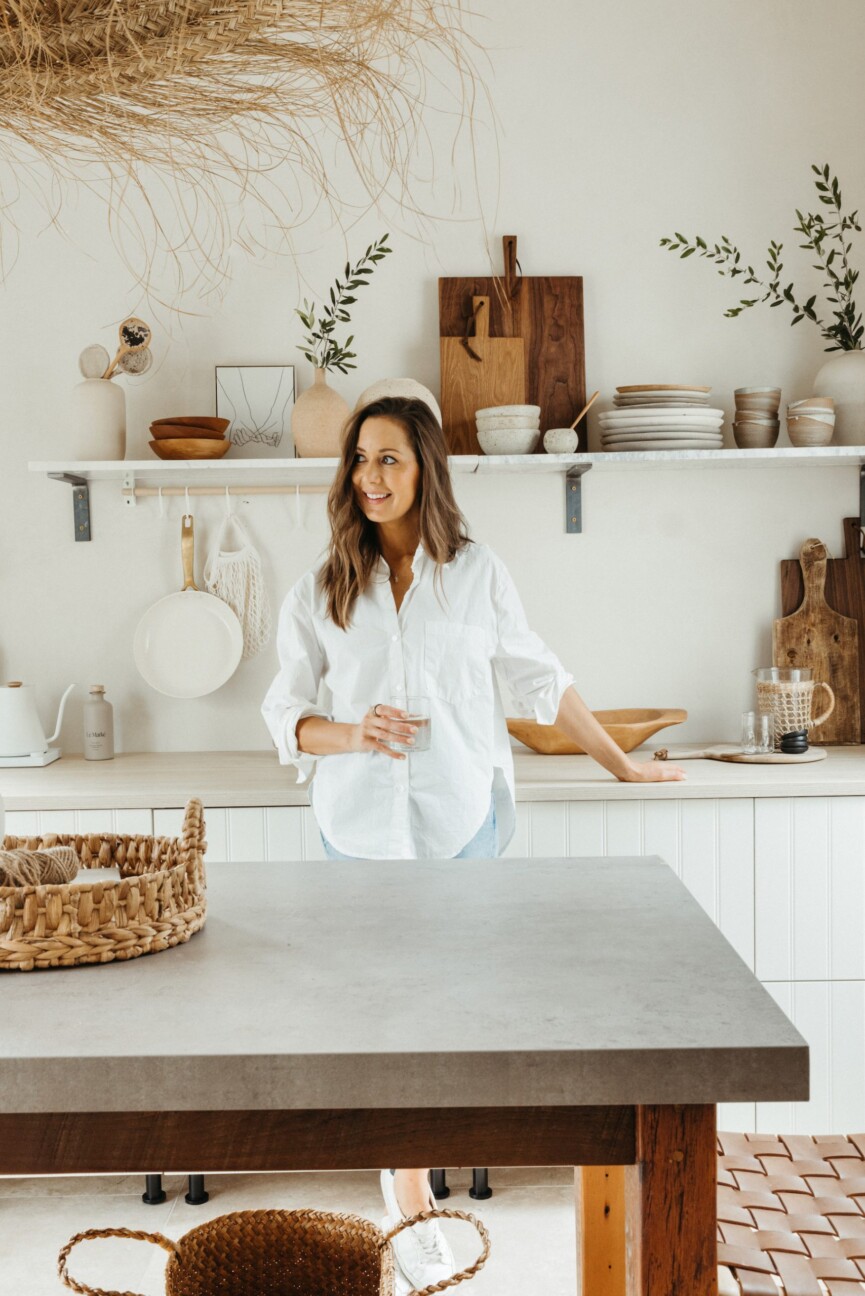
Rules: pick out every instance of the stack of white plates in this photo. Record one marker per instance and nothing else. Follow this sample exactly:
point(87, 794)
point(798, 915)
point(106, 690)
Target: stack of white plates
point(662, 418)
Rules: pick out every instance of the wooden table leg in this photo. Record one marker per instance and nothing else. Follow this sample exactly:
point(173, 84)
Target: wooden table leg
point(601, 1230)
point(670, 1204)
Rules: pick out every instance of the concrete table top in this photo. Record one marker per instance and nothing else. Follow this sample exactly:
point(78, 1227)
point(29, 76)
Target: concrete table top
point(391, 984)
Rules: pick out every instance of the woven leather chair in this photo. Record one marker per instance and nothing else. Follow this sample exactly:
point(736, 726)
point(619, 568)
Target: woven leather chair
point(791, 1215)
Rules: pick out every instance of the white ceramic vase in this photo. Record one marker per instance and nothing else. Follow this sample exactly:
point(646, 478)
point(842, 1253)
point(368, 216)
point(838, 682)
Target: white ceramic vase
point(406, 387)
point(98, 419)
point(843, 378)
point(317, 420)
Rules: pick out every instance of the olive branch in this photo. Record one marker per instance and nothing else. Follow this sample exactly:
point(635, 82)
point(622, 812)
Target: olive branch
point(319, 346)
point(826, 238)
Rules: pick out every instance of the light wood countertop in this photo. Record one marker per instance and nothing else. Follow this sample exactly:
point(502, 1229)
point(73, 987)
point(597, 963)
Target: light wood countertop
point(255, 778)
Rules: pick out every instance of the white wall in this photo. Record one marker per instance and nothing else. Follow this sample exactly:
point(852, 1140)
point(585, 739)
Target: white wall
point(618, 123)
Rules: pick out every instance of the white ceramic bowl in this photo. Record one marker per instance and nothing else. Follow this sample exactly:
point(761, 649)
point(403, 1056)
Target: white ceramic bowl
point(561, 440)
point(507, 421)
point(509, 441)
point(533, 411)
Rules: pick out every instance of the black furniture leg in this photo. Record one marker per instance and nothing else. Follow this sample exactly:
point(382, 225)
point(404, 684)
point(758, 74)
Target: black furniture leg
point(480, 1189)
point(438, 1184)
point(153, 1194)
point(196, 1195)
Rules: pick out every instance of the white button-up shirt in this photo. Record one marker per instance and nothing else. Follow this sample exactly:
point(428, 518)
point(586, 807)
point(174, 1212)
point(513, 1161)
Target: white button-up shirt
point(446, 643)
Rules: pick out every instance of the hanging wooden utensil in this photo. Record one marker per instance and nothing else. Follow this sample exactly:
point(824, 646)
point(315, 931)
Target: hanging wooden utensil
point(478, 371)
point(547, 313)
point(819, 637)
point(845, 592)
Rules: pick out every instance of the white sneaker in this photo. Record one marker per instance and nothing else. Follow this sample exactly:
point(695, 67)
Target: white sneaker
point(422, 1253)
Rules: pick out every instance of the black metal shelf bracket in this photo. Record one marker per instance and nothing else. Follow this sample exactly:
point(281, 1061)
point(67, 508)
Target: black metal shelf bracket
point(574, 498)
point(80, 502)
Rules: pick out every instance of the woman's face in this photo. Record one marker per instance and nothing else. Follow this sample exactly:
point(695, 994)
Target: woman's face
point(386, 472)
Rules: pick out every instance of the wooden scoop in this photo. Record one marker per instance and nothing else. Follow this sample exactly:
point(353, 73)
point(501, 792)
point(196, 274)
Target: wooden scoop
point(134, 336)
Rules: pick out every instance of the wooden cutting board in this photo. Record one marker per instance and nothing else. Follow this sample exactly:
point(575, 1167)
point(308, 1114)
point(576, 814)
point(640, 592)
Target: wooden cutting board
point(478, 371)
point(738, 757)
point(845, 592)
point(547, 313)
point(816, 635)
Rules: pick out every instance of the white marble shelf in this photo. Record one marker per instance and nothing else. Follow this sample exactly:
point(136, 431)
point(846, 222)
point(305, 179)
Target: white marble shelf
point(252, 472)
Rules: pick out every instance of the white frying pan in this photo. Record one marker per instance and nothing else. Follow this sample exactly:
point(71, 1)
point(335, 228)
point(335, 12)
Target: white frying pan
point(188, 643)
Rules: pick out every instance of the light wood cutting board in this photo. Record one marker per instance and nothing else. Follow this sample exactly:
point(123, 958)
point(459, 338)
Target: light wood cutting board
point(845, 592)
point(817, 636)
point(546, 311)
point(478, 371)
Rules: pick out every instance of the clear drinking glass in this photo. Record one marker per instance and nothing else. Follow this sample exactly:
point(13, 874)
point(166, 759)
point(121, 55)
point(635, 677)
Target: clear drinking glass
point(418, 710)
point(758, 732)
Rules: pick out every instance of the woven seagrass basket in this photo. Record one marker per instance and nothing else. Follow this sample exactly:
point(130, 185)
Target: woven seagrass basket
point(157, 900)
point(280, 1253)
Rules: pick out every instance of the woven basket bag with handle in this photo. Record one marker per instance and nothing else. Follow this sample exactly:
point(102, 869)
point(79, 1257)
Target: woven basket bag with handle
point(157, 899)
point(280, 1253)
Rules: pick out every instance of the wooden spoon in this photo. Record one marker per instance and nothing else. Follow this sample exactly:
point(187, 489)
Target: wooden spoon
point(588, 405)
point(134, 336)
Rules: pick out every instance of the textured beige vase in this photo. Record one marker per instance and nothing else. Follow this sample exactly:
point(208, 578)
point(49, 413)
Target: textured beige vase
point(843, 378)
point(318, 419)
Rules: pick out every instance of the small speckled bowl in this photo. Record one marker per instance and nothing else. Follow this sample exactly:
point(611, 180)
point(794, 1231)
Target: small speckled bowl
point(561, 441)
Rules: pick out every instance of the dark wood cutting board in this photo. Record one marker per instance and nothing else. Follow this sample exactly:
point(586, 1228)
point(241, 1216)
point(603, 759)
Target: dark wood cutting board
point(547, 313)
point(487, 371)
point(816, 635)
point(845, 592)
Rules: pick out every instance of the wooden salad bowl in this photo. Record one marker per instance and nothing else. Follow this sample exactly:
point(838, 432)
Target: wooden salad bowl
point(627, 729)
point(190, 448)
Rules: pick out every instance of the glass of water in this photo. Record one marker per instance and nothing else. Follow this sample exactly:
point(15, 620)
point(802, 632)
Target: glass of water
point(758, 732)
point(418, 710)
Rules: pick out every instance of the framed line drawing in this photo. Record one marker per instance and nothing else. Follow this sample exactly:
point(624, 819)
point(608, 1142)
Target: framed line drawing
point(259, 400)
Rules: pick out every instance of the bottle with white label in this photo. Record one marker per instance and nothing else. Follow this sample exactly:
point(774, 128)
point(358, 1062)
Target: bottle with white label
point(98, 725)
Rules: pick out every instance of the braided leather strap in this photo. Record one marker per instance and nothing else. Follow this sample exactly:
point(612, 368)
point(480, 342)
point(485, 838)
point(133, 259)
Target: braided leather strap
point(446, 1214)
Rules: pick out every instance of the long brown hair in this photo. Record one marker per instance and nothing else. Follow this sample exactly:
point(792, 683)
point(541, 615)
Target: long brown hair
point(354, 548)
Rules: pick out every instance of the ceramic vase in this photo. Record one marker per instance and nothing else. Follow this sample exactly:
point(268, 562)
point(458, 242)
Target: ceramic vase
point(317, 421)
point(98, 420)
point(843, 378)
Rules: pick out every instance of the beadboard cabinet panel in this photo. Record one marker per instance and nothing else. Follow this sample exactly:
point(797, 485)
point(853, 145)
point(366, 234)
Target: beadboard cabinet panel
point(548, 834)
point(831, 1016)
point(283, 833)
point(32, 823)
point(809, 888)
point(737, 1117)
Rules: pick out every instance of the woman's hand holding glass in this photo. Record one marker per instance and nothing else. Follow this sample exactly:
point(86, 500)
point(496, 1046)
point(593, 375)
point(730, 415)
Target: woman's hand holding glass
point(382, 725)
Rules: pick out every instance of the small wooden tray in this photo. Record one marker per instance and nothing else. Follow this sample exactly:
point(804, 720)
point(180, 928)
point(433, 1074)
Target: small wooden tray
point(732, 753)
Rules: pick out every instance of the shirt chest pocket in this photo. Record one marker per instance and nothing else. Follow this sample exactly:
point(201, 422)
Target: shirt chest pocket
point(456, 661)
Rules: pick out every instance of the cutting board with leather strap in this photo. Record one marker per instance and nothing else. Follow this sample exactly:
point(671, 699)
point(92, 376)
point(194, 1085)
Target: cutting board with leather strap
point(818, 636)
point(546, 312)
point(478, 371)
point(845, 592)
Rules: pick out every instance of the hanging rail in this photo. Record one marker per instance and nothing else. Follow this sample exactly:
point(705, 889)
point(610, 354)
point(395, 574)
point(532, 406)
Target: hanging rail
point(131, 493)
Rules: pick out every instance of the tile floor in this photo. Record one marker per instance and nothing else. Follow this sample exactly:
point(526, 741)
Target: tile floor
point(530, 1218)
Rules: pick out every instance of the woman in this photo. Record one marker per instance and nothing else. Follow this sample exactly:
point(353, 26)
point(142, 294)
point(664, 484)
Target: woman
point(406, 604)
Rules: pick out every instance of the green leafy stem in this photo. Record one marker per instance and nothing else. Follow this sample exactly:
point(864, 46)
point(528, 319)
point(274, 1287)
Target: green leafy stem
point(826, 238)
point(320, 346)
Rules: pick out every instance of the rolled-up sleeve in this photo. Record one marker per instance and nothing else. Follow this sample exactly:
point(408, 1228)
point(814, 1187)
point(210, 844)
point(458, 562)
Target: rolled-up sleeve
point(533, 673)
point(294, 692)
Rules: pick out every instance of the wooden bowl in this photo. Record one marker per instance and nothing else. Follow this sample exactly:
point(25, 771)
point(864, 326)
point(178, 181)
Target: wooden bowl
point(627, 729)
point(177, 429)
point(190, 448)
point(195, 420)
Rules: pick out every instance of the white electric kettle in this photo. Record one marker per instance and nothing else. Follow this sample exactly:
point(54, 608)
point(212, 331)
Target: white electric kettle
point(22, 738)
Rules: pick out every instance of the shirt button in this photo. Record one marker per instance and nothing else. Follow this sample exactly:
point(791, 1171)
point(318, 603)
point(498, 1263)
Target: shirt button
point(394, 638)
point(398, 688)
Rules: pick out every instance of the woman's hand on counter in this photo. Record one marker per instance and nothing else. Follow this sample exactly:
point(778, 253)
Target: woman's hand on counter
point(652, 772)
point(577, 721)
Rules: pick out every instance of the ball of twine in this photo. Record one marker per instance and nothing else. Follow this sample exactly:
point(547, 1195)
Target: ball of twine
point(38, 868)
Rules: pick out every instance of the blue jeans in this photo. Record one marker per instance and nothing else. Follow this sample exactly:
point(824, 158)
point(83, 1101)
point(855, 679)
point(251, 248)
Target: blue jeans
point(484, 844)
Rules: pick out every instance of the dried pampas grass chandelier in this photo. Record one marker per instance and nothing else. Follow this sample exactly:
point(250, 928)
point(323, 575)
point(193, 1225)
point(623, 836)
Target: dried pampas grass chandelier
point(201, 102)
